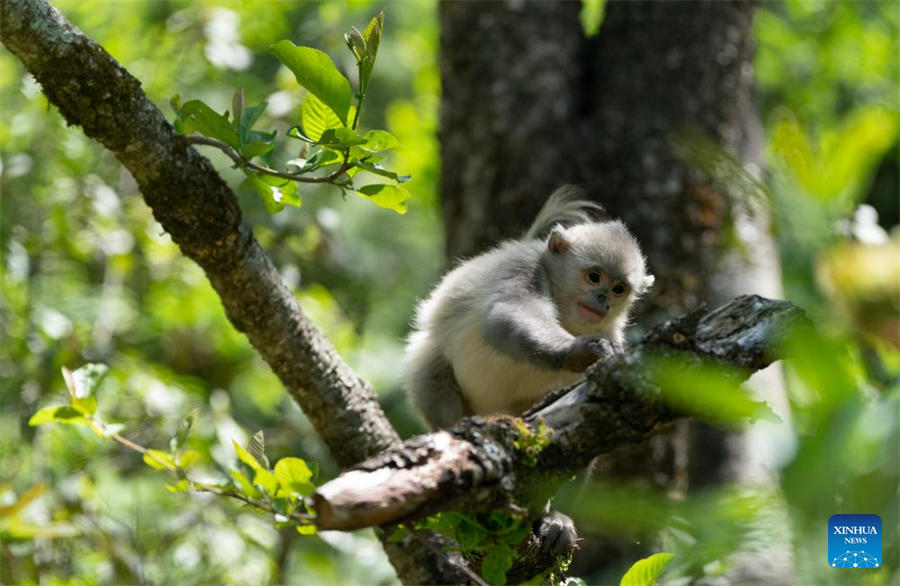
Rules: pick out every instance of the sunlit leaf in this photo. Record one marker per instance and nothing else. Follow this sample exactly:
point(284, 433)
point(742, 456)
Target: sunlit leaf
point(267, 481)
point(294, 476)
point(306, 529)
point(647, 571)
point(188, 458)
point(593, 13)
point(246, 457)
point(257, 448)
point(372, 37)
point(316, 117)
point(379, 140)
point(316, 72)
point(379, 170)
point(57, 414)
point(180, 486)
point(198, 117)
point(244, 485)
point(340, 138)
point(159, 460)
point(392, 197)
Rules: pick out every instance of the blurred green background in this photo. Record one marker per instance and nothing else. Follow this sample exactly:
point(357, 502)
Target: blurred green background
point(88, 275)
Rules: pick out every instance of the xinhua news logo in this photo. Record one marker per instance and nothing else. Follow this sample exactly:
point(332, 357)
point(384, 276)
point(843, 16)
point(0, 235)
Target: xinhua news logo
point(854, 541)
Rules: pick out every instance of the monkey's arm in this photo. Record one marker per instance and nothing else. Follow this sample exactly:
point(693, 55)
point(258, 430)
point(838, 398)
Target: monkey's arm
point(525, 327)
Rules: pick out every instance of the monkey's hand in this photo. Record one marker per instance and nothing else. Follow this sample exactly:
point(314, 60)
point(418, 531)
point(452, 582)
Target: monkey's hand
point(585, 350)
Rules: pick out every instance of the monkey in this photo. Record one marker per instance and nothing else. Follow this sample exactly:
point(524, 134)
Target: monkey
point(505, 328)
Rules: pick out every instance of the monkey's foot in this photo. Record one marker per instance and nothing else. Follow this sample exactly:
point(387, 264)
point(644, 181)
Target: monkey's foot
point(556, 533)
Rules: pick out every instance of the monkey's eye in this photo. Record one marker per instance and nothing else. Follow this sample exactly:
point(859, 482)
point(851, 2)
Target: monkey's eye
point(593, 276)
point(619, 288)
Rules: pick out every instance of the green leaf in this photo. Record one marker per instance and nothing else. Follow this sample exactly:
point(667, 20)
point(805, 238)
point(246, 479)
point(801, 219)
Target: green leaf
point(159, 460)
point(275, 196)
point(379, 140)
point(392, 197)
point(188, 458)
point(497, 561)
point(263, 190)
point(56, 413)
point(254, 148)
point(180, 486)
point(379, 170)
point(593, 13)
point(248, 119)
point(266, 480)
point(316, 117)
point(198, 117)
point(184, 428)
point(372, 37)
point(316, 72)
point(294, 476)
point(86, 406)
point(306, 529)
point(340, 138)
point(356, 44)
point(645, 572)
point(237, 106)
point(246, 457)
point(244, 485)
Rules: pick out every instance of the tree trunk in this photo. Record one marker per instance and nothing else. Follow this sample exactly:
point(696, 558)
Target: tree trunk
point(529, 104)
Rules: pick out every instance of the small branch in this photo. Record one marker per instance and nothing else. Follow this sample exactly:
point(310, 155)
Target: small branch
point(245, 163)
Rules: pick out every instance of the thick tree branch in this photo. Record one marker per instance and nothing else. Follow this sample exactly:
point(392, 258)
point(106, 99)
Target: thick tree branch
point(476, 466)
point(201, 214)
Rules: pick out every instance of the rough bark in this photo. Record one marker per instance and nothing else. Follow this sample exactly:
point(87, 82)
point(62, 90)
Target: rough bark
point(202, 216)
point(476, 466)
point(538, 105)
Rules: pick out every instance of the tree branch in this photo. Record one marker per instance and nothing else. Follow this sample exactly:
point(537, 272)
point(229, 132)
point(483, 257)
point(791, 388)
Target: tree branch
point(476, 466)
point(202, 216)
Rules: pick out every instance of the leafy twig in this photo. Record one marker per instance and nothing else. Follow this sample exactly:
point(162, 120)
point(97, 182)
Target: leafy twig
point(242, 162)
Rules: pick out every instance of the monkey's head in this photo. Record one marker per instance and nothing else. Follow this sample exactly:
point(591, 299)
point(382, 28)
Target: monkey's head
point(596, 271)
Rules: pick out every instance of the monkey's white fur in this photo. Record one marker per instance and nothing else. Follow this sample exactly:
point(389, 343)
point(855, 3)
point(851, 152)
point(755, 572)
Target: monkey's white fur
point(494, 334)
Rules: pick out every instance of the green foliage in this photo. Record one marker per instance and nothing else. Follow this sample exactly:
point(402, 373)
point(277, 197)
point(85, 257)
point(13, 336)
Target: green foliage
point(279, 493)
point(328, 122)
point(88, 275)
point(316, 72)
point(647, 571)
point(592, 14)
point(489, 537)
point(530, 443)
point(711, 392)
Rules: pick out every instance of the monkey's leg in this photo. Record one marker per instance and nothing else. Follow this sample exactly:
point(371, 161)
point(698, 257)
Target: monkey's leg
point(436, 393)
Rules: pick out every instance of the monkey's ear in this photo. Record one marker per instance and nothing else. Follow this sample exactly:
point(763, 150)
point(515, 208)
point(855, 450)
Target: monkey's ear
point(557, 243)
point(648, 281)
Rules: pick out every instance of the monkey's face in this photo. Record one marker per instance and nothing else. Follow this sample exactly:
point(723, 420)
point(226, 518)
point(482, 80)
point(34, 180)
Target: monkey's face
point(597, 272)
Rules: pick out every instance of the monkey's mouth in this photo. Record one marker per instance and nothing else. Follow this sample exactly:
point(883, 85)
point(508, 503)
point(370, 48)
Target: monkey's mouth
point(589, 313)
